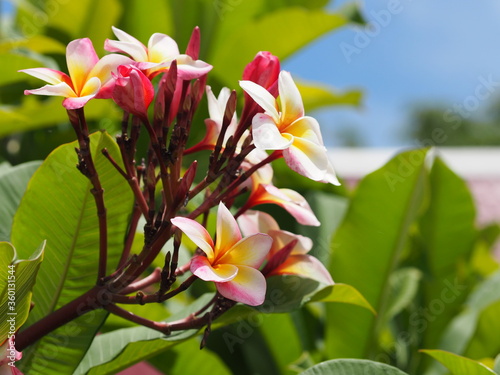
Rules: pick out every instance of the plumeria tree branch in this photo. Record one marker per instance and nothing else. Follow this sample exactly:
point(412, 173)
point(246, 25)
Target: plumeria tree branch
point(236, 260)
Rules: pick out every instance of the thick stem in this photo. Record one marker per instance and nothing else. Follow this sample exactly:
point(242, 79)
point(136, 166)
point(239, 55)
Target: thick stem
point(87, 167)
point(87, 302)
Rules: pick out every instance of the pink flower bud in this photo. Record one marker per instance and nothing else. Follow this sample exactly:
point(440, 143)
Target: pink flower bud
point(263, 70)
point(133, 91)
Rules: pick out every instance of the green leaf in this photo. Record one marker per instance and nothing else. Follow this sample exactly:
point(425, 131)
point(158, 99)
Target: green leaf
point(13, 182)
point(496, 367)
point(404, 287)
point(187, 358)
point(342, 293)
point(486, 341)
point(330, 210)
point(11, 63)
point(37, 43)
point(286, 347)
point(459, 365)
point(460, 331)
point(315, 96)
point(287, 293)
point(117, 350)
point(34, 113)
point(352, 367)
point(448, 225)
point(59, 207)
point(16, 284)
point(367, 248)
point(283, 32)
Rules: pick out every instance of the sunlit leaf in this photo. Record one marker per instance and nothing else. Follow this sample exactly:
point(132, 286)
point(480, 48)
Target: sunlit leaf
point(368, 246)
point(59, 207)
point(342, 293)
point(351, 367)
point(13, 183)
point(17, 279)
point(459, 365)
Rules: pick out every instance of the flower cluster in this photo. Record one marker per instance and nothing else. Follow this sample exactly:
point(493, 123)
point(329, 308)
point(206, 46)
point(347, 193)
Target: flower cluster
point(239, 166)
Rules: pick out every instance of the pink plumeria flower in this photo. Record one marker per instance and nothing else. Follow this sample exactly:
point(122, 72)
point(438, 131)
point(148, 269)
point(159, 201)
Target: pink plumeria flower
point(158, 55)
point(286, 128)
point(9, 355)
point(232, 262)
point(284, 259)
point(88, 76)
point(262, 191)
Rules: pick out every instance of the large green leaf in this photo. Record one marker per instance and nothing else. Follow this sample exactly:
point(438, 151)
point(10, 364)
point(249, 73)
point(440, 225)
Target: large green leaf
point(187, 358)
point(13, 183)
point(459, 365)
point(17, 279)
point(330, 210)
point(462, 328)
point(486, 340)
point(352, 367)
point(342, 293)
point(315, 96)
point(448, 234)
point(367, 247)
point(34, 113)
point(283, 32)
point(117, 350)
point(59, 207)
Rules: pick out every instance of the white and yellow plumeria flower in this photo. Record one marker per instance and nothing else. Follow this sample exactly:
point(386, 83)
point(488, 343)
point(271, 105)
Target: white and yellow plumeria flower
point(287, 129)
point(158, 55)
point(89, 77)
point(232, 263)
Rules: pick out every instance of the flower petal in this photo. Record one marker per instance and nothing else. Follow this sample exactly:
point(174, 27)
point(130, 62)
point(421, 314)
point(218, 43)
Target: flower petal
point(282, 237)
point(75, 103)
point(307, 128)
point(48, 75)
point(262, 97)
point(290, 200)
point(201, 267)
point(248, 287)
point(61, 89)
point(80, 58)
point(307, 158)
point(266, 135)
point(305, 266)
point(250, 251)
point(291, 101)
point(330, 176)
point(161, 47)
point(252, 222)
point(228, 232)
point(107, 65)
point(188, 69)
point(196, 233)
point(126, 43)
point(91, 87)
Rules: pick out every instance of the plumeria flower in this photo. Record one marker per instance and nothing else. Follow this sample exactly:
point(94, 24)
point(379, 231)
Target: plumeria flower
point(216, 110)
point(133, 91)
point(286, 128)
point(158, 55)
point(288, 254)
point(9, 355)
point(232, 262)
point(262, 191)
point(88, 76)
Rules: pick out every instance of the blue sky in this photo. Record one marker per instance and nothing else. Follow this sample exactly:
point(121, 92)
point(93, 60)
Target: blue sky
point(426, 52)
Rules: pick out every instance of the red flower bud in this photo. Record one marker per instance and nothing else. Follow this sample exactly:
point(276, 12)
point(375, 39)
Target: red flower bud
point(133, 91)
point(263, 70)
